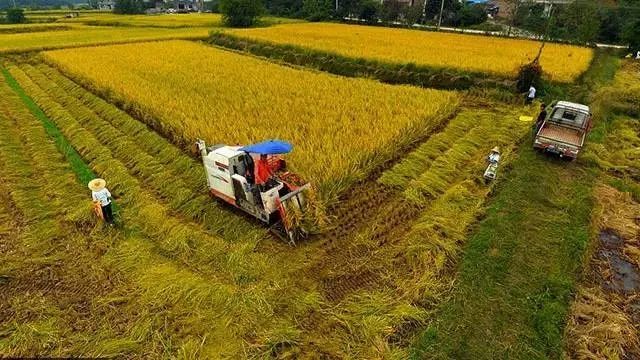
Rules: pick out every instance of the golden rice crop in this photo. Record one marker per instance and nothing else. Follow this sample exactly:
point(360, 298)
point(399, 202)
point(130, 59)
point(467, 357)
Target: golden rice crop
point(341, 128)
point(28, 28)
point(161, 20)
point(94, 35)
point(473, 53)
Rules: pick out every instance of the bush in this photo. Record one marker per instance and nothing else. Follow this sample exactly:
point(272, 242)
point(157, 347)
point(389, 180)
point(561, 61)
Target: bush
point(15, 16)
point(530, 74)
point(240, 13)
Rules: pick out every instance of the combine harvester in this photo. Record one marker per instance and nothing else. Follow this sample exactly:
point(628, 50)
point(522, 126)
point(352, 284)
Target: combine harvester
point(231, 176)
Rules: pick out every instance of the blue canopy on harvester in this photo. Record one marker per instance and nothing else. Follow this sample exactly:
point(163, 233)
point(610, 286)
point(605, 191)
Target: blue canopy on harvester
point(269, 147)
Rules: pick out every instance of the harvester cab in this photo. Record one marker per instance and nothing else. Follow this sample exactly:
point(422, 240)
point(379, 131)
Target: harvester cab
point(233, 176)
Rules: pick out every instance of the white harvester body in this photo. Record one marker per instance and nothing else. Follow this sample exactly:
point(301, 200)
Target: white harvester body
point(230, 173)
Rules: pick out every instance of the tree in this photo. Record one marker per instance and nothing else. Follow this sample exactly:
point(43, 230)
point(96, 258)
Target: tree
point(15, 16)
point(412, 14)
point(128, 7)
point(369, 10)
point(470, 15)
point(531, 16)
point(291, 8)
point(241, 13)
point(611, 25)
point(391, 11)
point(432, 9)
point(513, 8)
point(578, 21)
point(317, 10)
point(631, 35)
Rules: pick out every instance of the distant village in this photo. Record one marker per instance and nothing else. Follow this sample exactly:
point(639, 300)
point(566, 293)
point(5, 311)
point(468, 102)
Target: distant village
point(159, 6)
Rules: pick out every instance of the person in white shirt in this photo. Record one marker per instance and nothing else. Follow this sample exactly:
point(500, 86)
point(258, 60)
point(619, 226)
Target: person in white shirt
point(100, 193)
point(530, 95)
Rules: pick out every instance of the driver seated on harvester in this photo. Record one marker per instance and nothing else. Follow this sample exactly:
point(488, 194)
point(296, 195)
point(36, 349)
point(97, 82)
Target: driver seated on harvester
point(263, 174)
point(262, 171)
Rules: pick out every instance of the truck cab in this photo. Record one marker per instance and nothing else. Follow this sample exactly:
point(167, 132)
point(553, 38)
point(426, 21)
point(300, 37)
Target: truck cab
point(564, 129)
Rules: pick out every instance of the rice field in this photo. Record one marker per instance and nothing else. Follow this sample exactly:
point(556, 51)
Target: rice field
point(160, 20)
point(479, 54)
point(399, 168)
point(306, 300)
point(341, 128)
point(208, 20)
point(85, 36)
point(181, 242)
point(30, 28)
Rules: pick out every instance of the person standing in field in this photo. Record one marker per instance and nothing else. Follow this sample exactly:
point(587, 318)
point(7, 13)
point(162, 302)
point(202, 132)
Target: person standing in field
point(530, 95)
point(541, 117)
point(100, 194)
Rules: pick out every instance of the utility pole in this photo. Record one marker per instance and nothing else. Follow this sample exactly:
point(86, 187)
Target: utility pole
point(545, 36)
point(439, 16)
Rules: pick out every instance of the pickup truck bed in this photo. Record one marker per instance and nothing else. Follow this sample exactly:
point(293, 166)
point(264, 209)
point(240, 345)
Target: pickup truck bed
point(561, 134)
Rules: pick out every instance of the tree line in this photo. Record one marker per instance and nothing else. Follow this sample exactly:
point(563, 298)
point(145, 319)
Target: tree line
point(582, 21)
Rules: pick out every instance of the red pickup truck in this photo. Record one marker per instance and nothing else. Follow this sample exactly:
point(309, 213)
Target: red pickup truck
point(564, 129)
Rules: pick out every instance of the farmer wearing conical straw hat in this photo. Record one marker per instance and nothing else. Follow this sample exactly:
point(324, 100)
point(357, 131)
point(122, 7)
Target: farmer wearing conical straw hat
point(101, 195)
point(494, 156)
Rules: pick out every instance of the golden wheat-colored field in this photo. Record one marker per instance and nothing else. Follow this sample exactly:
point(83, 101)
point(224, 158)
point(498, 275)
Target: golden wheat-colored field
point(474, 53)
point(340, 127)
point(94, 35)
point(160, 20)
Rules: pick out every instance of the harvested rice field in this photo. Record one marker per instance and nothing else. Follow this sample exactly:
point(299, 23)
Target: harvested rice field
point(415, 245)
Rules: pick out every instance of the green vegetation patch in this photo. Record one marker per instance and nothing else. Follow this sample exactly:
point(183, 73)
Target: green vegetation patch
point(519, 268)
point(82, 170)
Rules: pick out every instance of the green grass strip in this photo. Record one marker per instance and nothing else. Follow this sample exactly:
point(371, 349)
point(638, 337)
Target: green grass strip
point(79, 167)
point(521, 264)
point(519, 268)
point(83, 172)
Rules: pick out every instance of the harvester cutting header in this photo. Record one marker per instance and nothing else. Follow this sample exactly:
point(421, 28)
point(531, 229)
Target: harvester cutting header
point(254, 178)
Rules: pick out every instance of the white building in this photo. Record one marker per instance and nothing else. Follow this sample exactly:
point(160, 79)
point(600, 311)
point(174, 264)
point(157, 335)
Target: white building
point(106, 4)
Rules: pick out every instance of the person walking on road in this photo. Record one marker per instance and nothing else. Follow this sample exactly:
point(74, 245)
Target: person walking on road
point(101, 195)
point(531, 94)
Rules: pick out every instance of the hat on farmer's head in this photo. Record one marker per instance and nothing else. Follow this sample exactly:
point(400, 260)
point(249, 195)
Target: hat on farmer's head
point(496, 150)
point(97, 184)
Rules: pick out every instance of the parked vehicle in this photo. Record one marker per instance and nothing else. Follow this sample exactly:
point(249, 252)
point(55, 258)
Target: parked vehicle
point(564, 129)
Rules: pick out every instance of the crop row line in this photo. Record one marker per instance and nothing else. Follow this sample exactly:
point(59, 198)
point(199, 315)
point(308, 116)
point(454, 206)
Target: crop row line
point(180, 179)
point(185, 241)
point(455, 162)
point(420, 75)
point(54, 207)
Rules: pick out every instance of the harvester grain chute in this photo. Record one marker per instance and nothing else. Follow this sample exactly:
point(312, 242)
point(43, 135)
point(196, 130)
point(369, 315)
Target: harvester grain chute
point(255, 179)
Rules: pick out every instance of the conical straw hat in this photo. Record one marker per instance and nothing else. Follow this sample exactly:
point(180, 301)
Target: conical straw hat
point(97, 184)
point(496, 149)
